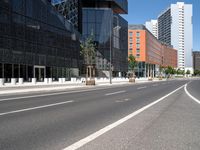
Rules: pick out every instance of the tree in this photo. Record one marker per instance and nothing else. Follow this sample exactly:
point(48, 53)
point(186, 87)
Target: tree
point(132, 64)
point(88, 51)
point(161, 71)
point(188, 72)
point(170, 71)
point(197, 72)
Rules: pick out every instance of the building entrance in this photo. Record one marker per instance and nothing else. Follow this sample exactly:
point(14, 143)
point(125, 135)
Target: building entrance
point(40, 73)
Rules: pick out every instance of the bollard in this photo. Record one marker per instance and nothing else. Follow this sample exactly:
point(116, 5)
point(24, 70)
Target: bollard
point(33, 80)
point(46, 80)
point(1, 81)
point(21, 81)
point(13, 81)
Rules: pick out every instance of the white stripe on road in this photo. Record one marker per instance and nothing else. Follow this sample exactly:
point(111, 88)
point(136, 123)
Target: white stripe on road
point(155, 85)
point(118, 92)
point(144, 87)
point(52, 94)
point(192, 97)
point(93, 136)
point(33, 108)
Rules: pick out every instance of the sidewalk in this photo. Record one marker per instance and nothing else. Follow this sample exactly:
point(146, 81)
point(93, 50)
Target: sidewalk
point(56, 86)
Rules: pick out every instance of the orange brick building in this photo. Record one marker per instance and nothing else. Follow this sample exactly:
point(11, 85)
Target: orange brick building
point(149, 51)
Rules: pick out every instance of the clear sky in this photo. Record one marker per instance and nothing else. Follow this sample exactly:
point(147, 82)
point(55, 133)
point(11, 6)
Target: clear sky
point(141, 11)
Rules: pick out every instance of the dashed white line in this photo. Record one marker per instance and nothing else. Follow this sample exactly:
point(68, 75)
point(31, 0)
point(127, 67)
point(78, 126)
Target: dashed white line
point(192, 97)
point(144, 87)
point(121, 101)
point(100, 132)
point(33, 108)
point(118, 92)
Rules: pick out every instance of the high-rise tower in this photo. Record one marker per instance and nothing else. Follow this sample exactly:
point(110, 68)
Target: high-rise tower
point(175, 28)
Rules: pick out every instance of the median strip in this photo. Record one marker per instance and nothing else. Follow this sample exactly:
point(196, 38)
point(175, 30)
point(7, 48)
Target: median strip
point(34, 108)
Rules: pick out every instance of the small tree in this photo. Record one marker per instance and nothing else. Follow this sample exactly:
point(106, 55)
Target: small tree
point(88, 51)
point(161, 71)
point(132, 64)
point(188, 73)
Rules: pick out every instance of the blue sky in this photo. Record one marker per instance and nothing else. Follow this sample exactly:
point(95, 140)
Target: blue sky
point(142, 10)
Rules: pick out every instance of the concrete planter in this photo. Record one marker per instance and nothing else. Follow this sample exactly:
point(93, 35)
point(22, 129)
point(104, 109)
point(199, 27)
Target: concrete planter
point(1, 81)
point(21, 80)
point(33, 80)
point(132, 80)
point(90, 82)
point(150, 79)
point(13, 81)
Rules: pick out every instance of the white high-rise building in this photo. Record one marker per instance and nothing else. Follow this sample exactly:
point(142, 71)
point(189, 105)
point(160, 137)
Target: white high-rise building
point(175, 28)
point(152, 26)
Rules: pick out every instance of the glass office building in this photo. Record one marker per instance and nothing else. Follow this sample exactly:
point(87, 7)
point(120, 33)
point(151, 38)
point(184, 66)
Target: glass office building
point(101, 19)
point(36, 41)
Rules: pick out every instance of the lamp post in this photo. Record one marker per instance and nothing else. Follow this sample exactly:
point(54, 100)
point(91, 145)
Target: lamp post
point(110, 67)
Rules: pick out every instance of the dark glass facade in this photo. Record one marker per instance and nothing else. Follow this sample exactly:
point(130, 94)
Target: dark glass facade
point(110, 32)
point(71, 10)
point(36, 41)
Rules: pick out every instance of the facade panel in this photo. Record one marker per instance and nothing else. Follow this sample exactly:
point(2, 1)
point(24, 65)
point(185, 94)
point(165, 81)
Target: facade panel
point(34, 36)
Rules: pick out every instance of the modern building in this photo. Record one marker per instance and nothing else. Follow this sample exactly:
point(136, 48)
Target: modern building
point(196, 60)
point(71, 10)
point(150, 53)
point(175, 28)
point(101, 19)
point(152, 26)
point(36, 41)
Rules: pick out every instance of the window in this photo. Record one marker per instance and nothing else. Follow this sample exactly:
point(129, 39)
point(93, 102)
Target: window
point(130, 33)
point(138, 34)
point(138, 50)
point(131, 45)
point(138, 40)
point(137, 45)
point(137, 55)
point(131, 39)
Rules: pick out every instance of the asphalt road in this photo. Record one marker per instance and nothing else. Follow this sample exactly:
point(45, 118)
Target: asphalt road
point(54, 121)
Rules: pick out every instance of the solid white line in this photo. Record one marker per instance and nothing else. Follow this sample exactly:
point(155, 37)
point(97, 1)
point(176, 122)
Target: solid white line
point(118, 92)
point(93, 136)
point(33, 108)
point(52, 94)
point(192, 97)
point(144, 87)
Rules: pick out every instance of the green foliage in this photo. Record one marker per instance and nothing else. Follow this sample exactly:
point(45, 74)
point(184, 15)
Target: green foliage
point(188, 72)
point(169, 70)
point(197, 72)
point(180, 72)
point(88, 51)
point(132, 62)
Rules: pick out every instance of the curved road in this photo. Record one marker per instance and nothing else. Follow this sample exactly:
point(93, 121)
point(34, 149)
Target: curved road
point(57, 121)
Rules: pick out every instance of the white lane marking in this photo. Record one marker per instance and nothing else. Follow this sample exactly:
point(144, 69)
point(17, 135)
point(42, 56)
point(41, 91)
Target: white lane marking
point(53, 94)
point(100, 132)
point(144, 87)
point(121, 101)
point(33, 108)
point(118, 92)
point(155, 85)
point(192, 97)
